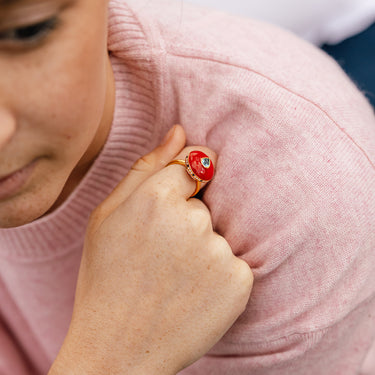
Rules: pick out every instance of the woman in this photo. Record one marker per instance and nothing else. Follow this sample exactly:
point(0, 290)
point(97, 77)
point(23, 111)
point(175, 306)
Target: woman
point(291, 195)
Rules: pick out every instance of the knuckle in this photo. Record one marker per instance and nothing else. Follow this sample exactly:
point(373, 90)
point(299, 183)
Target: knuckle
point(241, 284)
point(220, 252)
point(245, 277)
point(200, 220)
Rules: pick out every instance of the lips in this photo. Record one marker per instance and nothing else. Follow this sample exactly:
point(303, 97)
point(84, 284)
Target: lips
point(3, 178)
point(12, 183)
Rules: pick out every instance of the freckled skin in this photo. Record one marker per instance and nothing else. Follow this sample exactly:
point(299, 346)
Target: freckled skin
point(160, 290)
point(56, 105)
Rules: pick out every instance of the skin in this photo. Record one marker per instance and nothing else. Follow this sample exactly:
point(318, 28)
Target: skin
point(193, 289)
point(56, 107)
point(64, 114)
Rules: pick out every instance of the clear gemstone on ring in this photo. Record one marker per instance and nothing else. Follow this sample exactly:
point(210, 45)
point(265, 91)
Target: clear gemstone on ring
point(206, 162)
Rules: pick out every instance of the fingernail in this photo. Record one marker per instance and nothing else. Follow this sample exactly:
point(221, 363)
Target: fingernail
point(168, 136)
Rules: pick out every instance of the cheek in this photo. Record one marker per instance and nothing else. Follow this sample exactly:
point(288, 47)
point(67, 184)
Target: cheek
point(57, 91)
point(63, 88)
point(81, 74)
point(74, 94)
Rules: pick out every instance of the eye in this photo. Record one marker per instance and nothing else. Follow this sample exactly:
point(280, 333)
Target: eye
point(29, 33)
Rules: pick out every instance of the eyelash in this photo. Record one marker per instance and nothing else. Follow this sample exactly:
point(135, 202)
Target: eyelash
point(29, 34)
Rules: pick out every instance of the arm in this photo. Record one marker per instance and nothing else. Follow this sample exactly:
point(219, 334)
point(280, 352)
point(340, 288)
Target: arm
point(293, 194)
point(294, 198)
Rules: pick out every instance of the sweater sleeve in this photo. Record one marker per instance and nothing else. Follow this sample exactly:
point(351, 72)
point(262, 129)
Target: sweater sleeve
point(293, 193)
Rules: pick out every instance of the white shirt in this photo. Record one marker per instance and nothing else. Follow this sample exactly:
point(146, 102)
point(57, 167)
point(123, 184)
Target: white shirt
point(319, 21)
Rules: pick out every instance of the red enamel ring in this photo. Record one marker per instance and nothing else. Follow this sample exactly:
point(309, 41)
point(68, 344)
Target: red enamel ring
point(198, 166)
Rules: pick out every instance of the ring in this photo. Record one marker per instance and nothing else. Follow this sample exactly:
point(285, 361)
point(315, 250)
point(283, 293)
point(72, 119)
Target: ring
point(198, 166)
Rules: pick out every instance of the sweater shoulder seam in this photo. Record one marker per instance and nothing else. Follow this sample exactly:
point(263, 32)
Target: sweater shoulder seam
point(219, 59)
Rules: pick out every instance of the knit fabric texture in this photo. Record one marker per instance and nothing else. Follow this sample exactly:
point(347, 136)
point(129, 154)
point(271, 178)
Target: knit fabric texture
point(293, 193)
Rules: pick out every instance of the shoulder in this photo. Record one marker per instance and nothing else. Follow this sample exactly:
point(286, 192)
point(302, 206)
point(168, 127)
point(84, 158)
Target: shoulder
point(217, 65)
point(296, 145)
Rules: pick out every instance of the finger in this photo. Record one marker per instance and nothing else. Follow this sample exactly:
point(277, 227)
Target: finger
point(242, 273)
point(144, 168)
point(177, 179)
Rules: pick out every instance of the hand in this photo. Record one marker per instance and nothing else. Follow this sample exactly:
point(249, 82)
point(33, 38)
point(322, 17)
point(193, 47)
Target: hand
point(157, 286)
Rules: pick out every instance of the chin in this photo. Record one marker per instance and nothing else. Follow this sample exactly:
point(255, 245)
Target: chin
point(22, 210)
point(14, 221)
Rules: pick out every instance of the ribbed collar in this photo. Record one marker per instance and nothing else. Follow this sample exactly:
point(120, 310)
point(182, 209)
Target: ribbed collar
point(132, 135)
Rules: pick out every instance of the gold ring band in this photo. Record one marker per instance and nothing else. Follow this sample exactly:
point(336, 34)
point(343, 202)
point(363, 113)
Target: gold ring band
point(198, 183)
point(198, 166)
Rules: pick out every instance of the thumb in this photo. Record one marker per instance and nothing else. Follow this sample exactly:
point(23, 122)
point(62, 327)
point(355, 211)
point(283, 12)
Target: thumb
point(145, 167)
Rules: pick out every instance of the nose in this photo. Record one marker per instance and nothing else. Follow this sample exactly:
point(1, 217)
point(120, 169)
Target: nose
point(7, 126)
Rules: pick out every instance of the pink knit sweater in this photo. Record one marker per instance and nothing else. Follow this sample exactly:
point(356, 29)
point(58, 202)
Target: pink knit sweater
point(293, 194)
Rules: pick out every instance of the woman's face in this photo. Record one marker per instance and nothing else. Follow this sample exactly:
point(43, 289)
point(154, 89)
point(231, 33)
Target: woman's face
point(56, 101)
